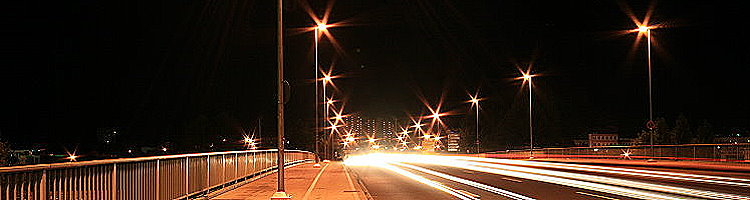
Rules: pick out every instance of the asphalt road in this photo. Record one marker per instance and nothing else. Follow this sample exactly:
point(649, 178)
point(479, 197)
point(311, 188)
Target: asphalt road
point(450, 177)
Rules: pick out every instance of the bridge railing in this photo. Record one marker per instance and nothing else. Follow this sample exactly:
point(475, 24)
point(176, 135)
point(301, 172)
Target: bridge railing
point(734, 152)
point(145, 178)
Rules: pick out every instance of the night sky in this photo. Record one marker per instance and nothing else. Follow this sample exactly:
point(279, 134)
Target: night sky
point(190, 71)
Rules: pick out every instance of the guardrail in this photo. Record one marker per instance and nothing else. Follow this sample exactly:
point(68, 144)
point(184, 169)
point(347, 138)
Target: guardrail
point(146, 178)
point(739, 152)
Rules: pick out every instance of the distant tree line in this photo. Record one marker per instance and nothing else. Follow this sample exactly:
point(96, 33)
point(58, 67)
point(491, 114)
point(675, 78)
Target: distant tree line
point(681, 133)
point(4, 153)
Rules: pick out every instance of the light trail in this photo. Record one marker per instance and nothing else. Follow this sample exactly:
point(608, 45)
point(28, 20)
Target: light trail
point(430, 183)
point(605, 180)
point(718, 180)
point(375, 160)
point(488, 188)
point(617, 186)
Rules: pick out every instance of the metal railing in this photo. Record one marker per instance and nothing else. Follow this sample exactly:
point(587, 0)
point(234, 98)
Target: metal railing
point(146, 178)
point(734, 152)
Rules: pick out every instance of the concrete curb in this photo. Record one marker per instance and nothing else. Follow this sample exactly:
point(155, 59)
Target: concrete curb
point(359, 185)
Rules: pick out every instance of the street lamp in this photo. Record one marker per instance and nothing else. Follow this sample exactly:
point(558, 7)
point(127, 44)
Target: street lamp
point(280, 190)
point(527, 77)
point(72, 157)
point(475, 102)
point(644, 29)
point(320, 27)
point(326, 79)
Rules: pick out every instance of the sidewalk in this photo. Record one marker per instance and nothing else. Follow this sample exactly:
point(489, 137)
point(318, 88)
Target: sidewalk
point(330, 182)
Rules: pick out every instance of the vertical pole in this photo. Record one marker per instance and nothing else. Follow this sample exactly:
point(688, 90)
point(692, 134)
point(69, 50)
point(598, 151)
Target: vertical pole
point(114, 181)
point(479, 149)
point(157, 180)
point(531, 126)
point(280, 100)
point(317, 109)
point(208, 173)
point(187, 176)
point(43, 185)
point(223, 170)
point(325, 119)
point(650, 98)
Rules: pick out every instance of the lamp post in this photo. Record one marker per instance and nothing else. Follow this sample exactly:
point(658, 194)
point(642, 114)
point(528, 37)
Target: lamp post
point(646, 30)
point(475, 102)
point(317, 29)
point(327, 79)
point(280, 191)
point(317, 108)
point(527, 77)
point(650, 90)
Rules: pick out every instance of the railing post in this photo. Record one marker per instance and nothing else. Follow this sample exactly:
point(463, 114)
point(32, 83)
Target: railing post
point(187, 176)
point(158, 188)
point(223, 170)
point(208, 172)
point(43, 186)
point(114, 181)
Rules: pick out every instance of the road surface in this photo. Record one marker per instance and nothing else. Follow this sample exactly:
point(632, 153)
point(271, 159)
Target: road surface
point(434, 177)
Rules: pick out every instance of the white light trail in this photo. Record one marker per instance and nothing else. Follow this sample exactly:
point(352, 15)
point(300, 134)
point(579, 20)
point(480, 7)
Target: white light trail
point(617, 186)
point(488, 188)
point(718, 180)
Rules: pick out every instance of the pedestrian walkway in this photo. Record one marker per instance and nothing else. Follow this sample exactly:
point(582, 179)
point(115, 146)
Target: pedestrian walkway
point(329, 182)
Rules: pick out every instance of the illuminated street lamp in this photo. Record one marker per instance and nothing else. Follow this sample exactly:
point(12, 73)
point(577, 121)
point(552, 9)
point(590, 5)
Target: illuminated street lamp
point(72, 157)
point(527, 77)
point(326, 80)
point(320, 27)
point(475, 102)
point(645, 29)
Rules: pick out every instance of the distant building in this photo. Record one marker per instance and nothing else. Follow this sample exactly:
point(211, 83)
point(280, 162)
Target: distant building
point(603, 139)
point(384, 129)
point(453, 141)
point(355, 124)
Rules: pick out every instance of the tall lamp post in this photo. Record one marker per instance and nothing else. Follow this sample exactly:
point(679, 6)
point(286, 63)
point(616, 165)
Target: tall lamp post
point(527, 77)
point(280, 191)
point(650, 90)
point(317, 29)
point(646, 30)
point(326, 78)
point(475, 102)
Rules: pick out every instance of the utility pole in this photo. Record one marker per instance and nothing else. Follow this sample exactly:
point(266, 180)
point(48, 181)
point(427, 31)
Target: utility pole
point(280, 191)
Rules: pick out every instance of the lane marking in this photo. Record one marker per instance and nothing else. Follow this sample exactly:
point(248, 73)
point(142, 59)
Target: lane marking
point(315, 181)
point(467, 193)
point(510, 179)
point(596, 195)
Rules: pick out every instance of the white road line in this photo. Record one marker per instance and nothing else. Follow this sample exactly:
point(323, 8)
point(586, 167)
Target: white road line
point(514, 180)
point(315, 181)
point(596, 195)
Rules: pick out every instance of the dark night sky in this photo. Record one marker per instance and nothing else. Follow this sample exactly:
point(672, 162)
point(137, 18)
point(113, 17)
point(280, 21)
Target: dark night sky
point(158, 67)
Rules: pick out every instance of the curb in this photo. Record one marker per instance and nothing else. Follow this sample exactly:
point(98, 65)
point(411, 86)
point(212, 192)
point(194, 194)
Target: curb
point(359, 185)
